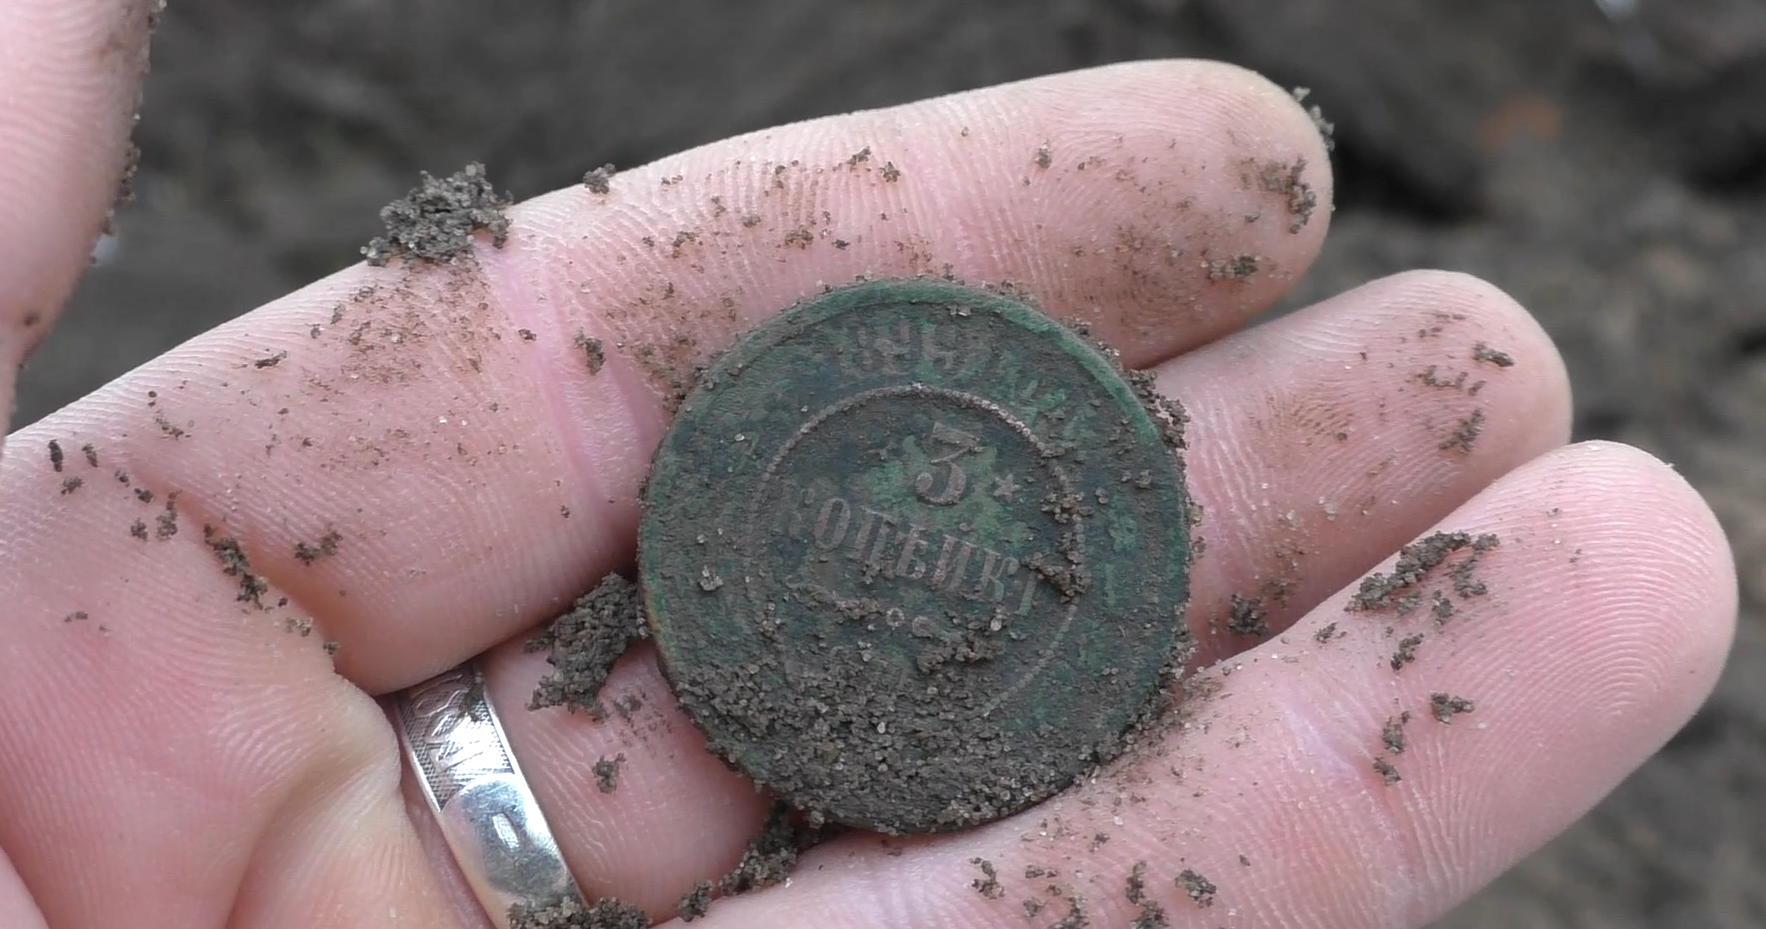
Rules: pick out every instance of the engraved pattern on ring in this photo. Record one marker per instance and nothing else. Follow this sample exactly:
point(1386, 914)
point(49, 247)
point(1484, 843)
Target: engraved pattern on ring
point(453, 739)
point(487, 813)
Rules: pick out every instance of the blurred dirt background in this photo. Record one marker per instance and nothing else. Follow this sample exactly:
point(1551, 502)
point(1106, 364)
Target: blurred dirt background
point(1605, 162)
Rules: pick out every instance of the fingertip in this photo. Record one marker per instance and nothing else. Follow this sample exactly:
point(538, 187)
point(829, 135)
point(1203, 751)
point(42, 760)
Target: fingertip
point(1511, 335)
point(1672, 551)
point(16, 909)
point(71, 70)
point(1289, 117)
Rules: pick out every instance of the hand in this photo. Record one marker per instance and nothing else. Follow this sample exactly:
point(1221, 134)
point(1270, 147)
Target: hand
point(406, 473)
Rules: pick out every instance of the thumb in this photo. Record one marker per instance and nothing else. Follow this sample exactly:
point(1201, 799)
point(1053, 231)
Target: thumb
point(70, 76)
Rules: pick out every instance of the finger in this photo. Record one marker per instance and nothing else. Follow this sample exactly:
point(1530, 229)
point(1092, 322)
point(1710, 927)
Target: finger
point(1316, 448)
point(666, 814)
point(71, 73)
point(417, 480)
point(16, 908)
point(472, 479)
point(1320, 442)
point(1610, 607)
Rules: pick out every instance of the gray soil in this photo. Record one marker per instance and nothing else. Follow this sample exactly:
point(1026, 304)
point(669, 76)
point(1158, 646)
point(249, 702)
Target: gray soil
point(1197, 887)
point(1406, 651)
point(1446, 706)
point(583, 644)
point(1612, 177)
point(771, 855)
point(988, 884)
point(1151, 915)
point(1408, 584)
point(696, 903)
point(1392, 734)
point(608, 913)
point(323, 547)
point(599, 180)
point(234, 564)
point(607, 773)
point(436, 220)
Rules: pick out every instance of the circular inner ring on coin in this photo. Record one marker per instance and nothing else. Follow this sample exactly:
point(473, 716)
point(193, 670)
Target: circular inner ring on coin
point(915, 556)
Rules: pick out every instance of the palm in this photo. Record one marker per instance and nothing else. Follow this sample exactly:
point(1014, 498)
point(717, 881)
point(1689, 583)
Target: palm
point(429, 466)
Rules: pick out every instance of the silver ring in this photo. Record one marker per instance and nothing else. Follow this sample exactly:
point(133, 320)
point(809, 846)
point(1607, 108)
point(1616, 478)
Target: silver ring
point(456, 746)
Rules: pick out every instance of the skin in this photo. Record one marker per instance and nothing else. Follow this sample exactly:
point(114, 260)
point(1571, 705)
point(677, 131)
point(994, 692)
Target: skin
point(180, 758)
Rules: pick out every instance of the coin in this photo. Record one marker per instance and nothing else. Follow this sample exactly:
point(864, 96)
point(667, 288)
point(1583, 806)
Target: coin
point(915, 556)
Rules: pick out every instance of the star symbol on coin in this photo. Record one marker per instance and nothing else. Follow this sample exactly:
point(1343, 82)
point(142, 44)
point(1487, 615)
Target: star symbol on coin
point(1004, 487)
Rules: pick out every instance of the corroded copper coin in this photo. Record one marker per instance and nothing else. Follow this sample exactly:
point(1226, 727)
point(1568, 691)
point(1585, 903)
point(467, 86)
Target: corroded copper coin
point(915, 556)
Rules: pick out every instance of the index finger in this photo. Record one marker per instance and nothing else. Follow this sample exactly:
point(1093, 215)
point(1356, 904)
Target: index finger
point(70, 73)
point(426, 460)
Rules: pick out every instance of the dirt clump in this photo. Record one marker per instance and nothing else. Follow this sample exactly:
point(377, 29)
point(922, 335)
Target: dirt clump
point(607, 773)
point(1465, 434)
point(1388, 774)
point(1196, 887)
point(1247, 616)
point(166, 524)
point(585, 642)
point(72, 484)
point(168, 428)
point(599, 180)
point(696, 903)
point(1286, 181)
point(1406, 651)
point(988, 884)
point(1168, 415)
point(1446, 706)
point(1485, 354)
point(436, 220)
point(771, 855)
point(1392, 734)
point(1136, 885)
point(1236, 268)
point(309, 552)
point(1397, 592)
point(1429, 377)
point(594, 355)
point(56, 457)
point(91, 453)
point(234, 564)
point(607, 913)
point(1465, 582)
point(1327, 130)
point(1151, 915)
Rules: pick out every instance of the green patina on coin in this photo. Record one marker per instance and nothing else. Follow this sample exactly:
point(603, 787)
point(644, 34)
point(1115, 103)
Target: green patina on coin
point(916, 556)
